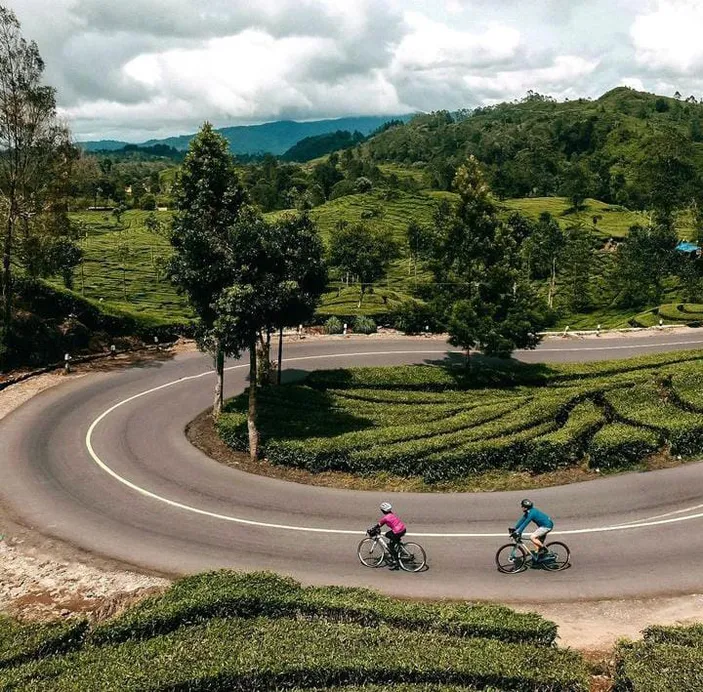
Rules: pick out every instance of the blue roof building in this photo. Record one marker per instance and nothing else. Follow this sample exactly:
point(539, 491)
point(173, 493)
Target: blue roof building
point(687, 247)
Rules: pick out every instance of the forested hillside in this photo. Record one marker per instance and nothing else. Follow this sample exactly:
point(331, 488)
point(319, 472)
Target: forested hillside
point(540, 147)
point(274, 138)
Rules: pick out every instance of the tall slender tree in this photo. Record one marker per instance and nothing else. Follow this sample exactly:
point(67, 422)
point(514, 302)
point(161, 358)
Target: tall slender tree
point(277, 278)
point(32, 143)
point(209, 200)
point(577, 268)
point(491, 306)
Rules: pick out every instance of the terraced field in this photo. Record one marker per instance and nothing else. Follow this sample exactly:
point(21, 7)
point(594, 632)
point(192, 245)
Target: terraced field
point(442, 424)
point(123, 263)
point(611, 221)
point(226, 631)
point(673, 313)
point(123, 266)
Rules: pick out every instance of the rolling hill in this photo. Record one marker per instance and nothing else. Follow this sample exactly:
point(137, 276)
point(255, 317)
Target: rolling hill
point(275, 137)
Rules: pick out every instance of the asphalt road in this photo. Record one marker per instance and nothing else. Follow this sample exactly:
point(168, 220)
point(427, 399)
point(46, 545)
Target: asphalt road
point(102, 462)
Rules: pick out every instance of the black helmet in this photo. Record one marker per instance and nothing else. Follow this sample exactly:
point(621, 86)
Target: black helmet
point(527, 504)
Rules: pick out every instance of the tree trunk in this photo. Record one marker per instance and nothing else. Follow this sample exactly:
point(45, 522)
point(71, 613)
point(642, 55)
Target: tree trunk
point(251, 412)
point(263, 357)
point(280, 354)
point(361, 294)
point(6, 293)
point(467, 362)
point(219, 382)
point(552, 282)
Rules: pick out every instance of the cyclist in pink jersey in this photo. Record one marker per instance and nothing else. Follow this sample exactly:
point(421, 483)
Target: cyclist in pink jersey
point(396, 530)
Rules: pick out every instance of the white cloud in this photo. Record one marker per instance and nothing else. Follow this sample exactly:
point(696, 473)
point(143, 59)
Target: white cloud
point(143, 68)
point(633, 83)
point(669, 36)
point(430, 45)
point(557, 79)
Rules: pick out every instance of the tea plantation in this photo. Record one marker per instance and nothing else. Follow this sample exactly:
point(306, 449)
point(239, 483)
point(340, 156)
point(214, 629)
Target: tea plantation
point(443, 423)
point(668, 659)
point(227, 631)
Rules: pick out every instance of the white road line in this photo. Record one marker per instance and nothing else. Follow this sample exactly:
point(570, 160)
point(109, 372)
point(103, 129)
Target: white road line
point(662, 516)
point(310, 529)
point(613, 348)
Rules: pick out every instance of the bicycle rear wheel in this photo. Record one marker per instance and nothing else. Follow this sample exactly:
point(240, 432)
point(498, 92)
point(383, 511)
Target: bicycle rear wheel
point(511, 558)
point(557, 557)
point(371, 553)
point(412, 557)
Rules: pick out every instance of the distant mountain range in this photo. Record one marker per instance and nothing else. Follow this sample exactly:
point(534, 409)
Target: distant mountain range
point(274, 138)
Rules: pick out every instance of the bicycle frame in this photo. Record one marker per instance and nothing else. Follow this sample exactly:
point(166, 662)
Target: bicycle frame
point(380, 538)
point(530, 556)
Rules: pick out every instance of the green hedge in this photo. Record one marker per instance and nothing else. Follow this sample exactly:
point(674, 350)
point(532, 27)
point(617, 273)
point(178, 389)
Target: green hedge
point(442, 423)
point(402, 687)
point(619, 445)
point(689, 635)
point(264, 654)
point(566, 445)
point(226, 594)
point(644, 406)
point(650, 667)
point(19, 643)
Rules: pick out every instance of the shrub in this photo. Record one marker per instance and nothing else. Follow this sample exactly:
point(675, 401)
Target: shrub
point(689, 635)
point(364, 325)
point(567, 444)
point(654, 667)
point(333, 325)
point(619, 445)
point(260, 654)
point(229, 594)
point(439, 422)
point(224, 631)
point(413, 317)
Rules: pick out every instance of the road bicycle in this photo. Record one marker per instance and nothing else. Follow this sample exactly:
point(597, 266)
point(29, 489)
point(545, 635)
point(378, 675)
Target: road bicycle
point(514, 557)
point(375, 550)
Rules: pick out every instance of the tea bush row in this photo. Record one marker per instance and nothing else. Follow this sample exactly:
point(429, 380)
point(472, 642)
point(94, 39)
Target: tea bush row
point(668, 659)
point(264, 654)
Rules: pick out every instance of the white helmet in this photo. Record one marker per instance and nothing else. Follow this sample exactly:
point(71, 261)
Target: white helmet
point(386, 506)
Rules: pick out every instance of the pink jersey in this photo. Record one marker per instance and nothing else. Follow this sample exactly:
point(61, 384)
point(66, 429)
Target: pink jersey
point(392, 522)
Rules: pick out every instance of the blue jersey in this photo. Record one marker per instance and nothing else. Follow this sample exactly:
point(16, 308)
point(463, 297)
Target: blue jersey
point(540, 518)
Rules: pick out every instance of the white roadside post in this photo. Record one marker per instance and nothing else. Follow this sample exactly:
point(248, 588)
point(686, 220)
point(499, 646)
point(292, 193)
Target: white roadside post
point(598, 330)
point(113, 350)
point(344, 331)
point(67, 364)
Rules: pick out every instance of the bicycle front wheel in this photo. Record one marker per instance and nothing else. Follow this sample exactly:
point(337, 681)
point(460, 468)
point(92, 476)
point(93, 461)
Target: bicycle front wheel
point(412, 557)
point(511, 558)
point(557, 557)
point(370, 552)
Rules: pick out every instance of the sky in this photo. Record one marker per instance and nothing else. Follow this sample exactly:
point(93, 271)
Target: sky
point(140, 69)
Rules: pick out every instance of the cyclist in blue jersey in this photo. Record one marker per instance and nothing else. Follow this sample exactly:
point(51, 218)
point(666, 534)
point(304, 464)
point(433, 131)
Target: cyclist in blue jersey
point(544, 525)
